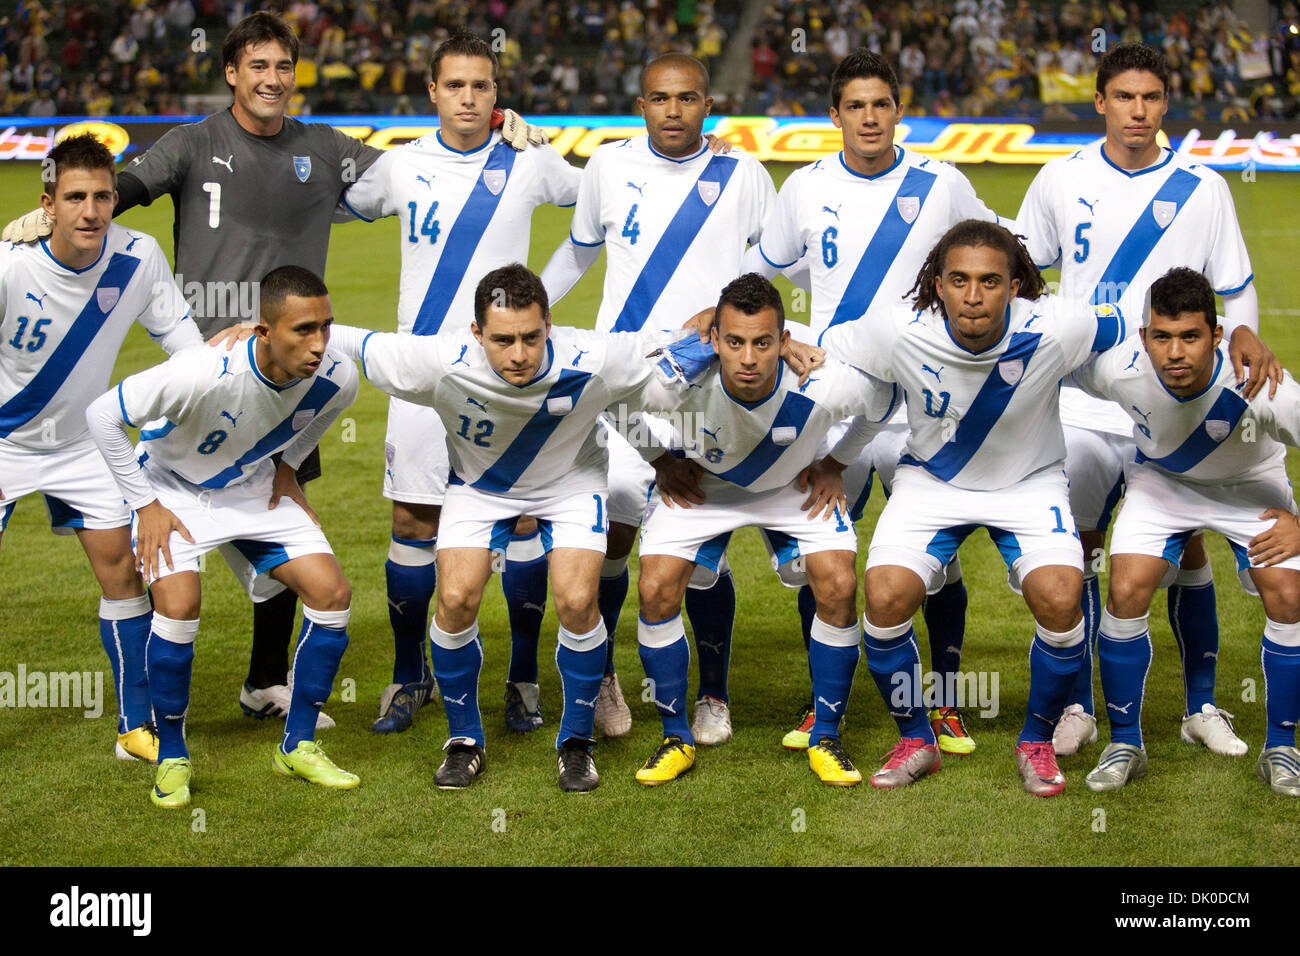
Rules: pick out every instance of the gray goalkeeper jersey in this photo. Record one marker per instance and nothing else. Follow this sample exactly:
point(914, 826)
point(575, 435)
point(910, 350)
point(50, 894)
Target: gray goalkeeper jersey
point(248, 204)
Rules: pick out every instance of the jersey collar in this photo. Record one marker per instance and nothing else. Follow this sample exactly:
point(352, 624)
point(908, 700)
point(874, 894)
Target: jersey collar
point(1169, 157)
point(696, 155)
point(252, 363)
point(63, 265)
point(780, 371)
point(462, 152)
point(898, 158)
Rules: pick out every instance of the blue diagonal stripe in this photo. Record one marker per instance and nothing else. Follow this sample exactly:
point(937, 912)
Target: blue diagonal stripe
point(1142, 238)
point(321, 391)
point(983, 414)
point(794, 412)
point(36, 394)
point(881, 251)
point(1228, 407)
point(671, 248)
point(505, 471)
point(461, 241)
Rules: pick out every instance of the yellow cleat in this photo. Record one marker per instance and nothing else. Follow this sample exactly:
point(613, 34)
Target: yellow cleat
point(950, 730)
point(171, 785)
point(670, 761)
point(138, 744)
point(829, 761)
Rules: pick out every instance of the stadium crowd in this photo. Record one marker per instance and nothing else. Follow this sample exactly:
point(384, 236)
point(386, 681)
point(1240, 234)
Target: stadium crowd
point(956, 57)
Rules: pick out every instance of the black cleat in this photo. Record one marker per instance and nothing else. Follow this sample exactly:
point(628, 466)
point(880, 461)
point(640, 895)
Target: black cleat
point(465, 760)
point(577, 769)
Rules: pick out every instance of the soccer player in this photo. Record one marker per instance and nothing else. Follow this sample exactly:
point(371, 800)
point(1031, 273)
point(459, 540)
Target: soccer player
point(465, 199)
point(985, 449)
point(761, 437)
point(1114, 216)
point(66, 304)
point(674, 219)
point(519, 401)
point(864, 220)
point(204, 475)
point(1206, 458)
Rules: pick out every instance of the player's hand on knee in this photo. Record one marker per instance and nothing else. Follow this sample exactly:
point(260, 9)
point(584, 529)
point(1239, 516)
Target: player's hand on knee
point(1246, 349)
point(232, 336)
point(802, 358)
point(717, 145)
point(516, 132)
point(285, 485)
point(824, 482)
point(1279, 542)
point(154, 527)
point(678, 481)
point(35, 225)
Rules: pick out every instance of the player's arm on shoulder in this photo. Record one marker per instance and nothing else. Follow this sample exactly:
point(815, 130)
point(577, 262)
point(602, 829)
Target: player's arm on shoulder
point(369, 196)
point(1035, 223)
point(166, 314)
point(403, 365)
point(560, 178)
point(866, 343)
point(1247, 351)
point(159, 170)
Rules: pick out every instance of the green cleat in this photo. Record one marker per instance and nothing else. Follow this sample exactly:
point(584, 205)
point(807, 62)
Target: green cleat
point(171, 785)
point(309, 762)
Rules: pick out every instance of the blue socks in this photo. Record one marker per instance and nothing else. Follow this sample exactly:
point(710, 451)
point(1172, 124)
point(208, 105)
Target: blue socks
point(581, 660)
point(524, 581)
point(712, 613)
point(124, 632)
point(609, 598)
point(1124, 655)
point(457, 660)
point(321, 644)
point(832, 658)
point(1054, 662)
point(170, 659)
point(412, 574)
point(945, 620)
point(895, 664)
point(1280, 655)
point(1193, 615)
point(666, 657)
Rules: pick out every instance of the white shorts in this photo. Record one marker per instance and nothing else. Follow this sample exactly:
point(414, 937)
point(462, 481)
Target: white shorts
point(79, 489)
point(237, 520)
point(1160, 514)
point(883, 452)
point(476, 519)
point(926, 520)
point(700, 534)
point(1094, 462)
point(415, 454)
point(631, 480)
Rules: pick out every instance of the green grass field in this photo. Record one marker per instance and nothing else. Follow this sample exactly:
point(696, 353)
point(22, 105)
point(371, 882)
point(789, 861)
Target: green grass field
point(66, 801)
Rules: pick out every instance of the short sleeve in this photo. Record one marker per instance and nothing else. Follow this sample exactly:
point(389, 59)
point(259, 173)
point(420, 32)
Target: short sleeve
point(966, 203)
point(764, 193)
point(165, 307)
point(782, 243)
point(162, 168)
point(1083, 329)
point(370, 197)
point(405, 365)
point(559, 179)
point(587, 228)
point(166, 390)
point(1280, 414)
point(354, 152)
point(866, 344)
point(1228, 268)
point(1036, 221)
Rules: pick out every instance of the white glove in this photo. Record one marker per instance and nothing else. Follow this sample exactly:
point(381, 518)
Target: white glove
point(35, 225)
point(518, 133)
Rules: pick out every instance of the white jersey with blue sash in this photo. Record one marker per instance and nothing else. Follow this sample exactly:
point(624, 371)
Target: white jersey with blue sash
point(981, 420)
point(462, 215)
point(866, 237)
point(674, 230)
point(61, 329)
point(1114, 232)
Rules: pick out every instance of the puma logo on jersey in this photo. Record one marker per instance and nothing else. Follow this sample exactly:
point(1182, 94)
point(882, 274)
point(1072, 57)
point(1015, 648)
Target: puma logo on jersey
point(926, 368)
point(481, 406)
point(225, 162)
point(134, 240)
point(1032, 319)
point(234, 419)
point(668, 706)
point(578, 358)
point(834, 212)
point(1123, 710)
point(427, 182)
point(712, 434)
point(632, 185)
point(1146, 416)
point(40, 303)
point(804, 387)
point(458, 701)
point(916, 319)
point(1133, 363)
point(337, 363)
point(835, 707)
point(225, 366)
point(1084, 202)
point(460, 359)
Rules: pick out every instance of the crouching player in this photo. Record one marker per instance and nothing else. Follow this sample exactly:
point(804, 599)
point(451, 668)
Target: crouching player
point(1206, 458)
point(985, 449)
point(758, 438)
point(203, 476)
point(520, 402)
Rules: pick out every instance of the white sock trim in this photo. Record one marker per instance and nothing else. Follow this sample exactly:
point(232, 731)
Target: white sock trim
point(1122, 628)
point(335, 619)
point(1195, 577)
point(884, 633)
point(662, 634)
point(1070, 638)
point(174, 631)
point(1288, 635)
point(123, 609)
point(581, 643)
point(413, 556)
point(833, 636)
point(614, 567)
point(451, 642)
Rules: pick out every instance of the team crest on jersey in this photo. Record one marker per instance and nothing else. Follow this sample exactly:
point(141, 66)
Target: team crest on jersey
point(784, 434)
point(301, 418)
point(560, 405)
point(1164, 211)
point(909, 207)
point(1217, 429)
point(494, 180)
point(709, 190)
point(107, 298)
point(302, 167)
point(1011, 370)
